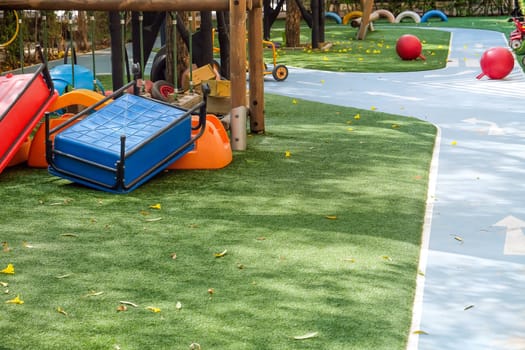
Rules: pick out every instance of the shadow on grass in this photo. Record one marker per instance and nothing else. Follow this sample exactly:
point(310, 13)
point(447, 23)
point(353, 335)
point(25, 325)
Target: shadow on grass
point(325, 240)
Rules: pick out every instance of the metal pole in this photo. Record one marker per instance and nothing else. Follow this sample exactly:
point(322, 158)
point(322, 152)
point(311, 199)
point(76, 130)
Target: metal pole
point(21, 41)
point(123, 41)
point(174, 49)
point(92, 19)
point(72, 49)
point(141, 39)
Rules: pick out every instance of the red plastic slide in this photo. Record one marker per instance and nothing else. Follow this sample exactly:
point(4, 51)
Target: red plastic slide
point(23, 100)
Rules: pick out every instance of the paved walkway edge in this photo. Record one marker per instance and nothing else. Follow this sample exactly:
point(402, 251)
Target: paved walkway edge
point(413, 337)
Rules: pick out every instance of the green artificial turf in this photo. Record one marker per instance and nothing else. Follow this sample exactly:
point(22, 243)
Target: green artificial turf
point(320, 221)
point(377, 53)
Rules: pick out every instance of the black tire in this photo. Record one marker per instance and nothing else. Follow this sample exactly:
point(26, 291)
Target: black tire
point(280, 72)
point(158, 67)
point(161, 89)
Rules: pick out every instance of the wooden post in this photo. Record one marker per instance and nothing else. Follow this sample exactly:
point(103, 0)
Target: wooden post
point(256, 62)
point(238, 72)
point(366, 7)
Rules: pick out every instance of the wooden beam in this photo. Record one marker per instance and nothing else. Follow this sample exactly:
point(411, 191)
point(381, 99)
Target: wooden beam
point(124, 5)
point(256, 66)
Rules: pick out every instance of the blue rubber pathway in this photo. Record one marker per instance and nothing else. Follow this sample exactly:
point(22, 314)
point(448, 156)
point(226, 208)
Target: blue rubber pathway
point(471, 292)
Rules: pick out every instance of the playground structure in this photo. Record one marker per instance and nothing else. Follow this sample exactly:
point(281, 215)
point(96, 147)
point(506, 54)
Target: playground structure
point(121, 141)
point(240, 13)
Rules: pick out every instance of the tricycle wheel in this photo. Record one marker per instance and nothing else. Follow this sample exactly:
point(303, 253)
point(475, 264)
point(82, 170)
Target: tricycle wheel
point(161, 89)
point(515, 44)
point(280, 72)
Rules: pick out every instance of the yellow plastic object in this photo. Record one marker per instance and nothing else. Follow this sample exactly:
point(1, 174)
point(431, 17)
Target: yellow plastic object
point(21, 155)
point(212, 150)
point(351, 15)
point(83, 97)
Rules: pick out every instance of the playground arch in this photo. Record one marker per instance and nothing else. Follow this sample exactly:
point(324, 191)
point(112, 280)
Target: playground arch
point(241, 11)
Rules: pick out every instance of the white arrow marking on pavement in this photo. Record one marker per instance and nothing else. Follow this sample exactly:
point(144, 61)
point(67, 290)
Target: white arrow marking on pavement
point(515, 239)
point(494, 129)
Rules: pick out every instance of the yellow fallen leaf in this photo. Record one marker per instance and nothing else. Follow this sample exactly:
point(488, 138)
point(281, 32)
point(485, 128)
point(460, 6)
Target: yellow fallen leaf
point(386, 258)
point(419, 331)
point(454, 143)
point(93, 294)
point(357, 116)
point(153, 309)
point(61, 311)
point(373, 108)
point(294, 101)
point(221, 254)
point(155, 206)
point(331, 217)
point(15, 300)
point(287, 154)
point(174, 256)
point(459, 239)
point(351, 260)
point(4, 284)
point(395, 126)
point(306, 336)
point(10, 270)
point(350, 129)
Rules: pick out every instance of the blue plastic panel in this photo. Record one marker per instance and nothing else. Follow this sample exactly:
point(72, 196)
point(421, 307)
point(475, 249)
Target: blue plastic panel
point(152, 131)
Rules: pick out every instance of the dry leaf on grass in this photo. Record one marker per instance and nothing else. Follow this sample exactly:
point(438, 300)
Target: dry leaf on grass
point(153, 219)
point(221, 254)
point(122, 308)
point(128, 303)
point(306, 336)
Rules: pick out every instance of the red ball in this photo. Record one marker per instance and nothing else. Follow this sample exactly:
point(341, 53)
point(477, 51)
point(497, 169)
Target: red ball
point(497, 62)
point(408, 47)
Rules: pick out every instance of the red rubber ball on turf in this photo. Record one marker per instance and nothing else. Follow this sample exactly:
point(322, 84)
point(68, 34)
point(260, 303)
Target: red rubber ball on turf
point(497, 62)
point(408, 47)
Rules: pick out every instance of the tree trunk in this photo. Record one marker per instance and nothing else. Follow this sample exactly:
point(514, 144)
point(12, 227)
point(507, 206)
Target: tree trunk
point(82, 38)
point(293, 24)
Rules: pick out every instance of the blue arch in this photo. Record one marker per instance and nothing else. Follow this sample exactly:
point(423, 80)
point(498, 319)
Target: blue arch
point(434, 13)
point(334, 16)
